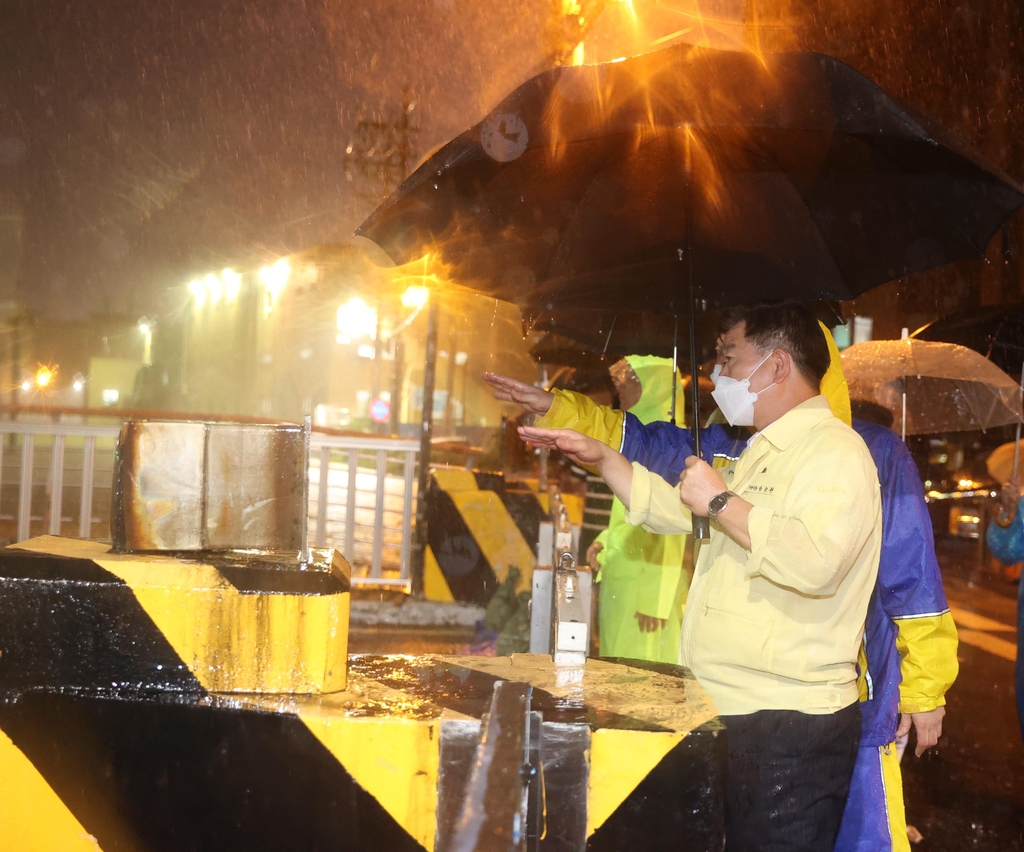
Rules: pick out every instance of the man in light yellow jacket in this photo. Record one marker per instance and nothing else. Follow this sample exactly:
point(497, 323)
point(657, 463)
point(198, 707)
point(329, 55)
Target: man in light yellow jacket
point(776, 612)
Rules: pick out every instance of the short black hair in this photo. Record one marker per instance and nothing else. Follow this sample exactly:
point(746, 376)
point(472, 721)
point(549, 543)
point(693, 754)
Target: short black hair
point(865, 409)
point(790, 326)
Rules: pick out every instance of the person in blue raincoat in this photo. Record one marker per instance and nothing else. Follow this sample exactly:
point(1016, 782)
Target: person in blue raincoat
point(642, 581)
point(908, 660)
point(1005, 539)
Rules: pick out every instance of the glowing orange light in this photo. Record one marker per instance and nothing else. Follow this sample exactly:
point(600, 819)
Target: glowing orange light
point(44, 376)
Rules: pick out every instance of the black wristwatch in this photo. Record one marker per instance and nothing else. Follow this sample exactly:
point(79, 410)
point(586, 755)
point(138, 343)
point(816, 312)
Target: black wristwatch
point(718, 503)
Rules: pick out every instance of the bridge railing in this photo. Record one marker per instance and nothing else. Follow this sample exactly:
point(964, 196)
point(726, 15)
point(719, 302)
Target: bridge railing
point(55, 478)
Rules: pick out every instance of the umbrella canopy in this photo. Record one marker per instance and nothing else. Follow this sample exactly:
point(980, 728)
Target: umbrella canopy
point(948, 388)
point(691, 179)
point(604, 187)
point(996, 332)
point(1000, 462)
point(609, 336)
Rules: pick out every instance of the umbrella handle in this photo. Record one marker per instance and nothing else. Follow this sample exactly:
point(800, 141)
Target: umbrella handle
point(1005, 518)
point(701, 527)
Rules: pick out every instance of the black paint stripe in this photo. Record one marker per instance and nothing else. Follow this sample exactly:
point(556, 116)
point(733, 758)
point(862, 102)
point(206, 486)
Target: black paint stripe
point(468, 691)
point(679, 805)
point(17, 564)
point(466, 569)
point(69, 624)
point(165, 776)
point(526, 512)
point(256, 579)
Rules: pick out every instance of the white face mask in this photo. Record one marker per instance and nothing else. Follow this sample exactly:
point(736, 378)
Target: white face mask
point(735, 399)
point(716, 371)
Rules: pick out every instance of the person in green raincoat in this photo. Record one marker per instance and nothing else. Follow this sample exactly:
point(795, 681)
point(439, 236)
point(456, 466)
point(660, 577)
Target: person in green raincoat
point(643, 584)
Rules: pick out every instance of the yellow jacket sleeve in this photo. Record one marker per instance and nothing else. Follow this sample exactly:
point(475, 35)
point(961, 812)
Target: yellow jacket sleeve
point(655, 505)
point(571, 410)
point(927, 647)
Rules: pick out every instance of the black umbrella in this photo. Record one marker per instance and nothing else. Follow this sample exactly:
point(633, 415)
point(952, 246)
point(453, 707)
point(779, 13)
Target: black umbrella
point(692, 179)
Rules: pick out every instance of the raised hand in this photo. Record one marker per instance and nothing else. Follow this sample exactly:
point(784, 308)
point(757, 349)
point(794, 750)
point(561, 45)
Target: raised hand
point(533, 399)
point(580, 448)
point(610, 464)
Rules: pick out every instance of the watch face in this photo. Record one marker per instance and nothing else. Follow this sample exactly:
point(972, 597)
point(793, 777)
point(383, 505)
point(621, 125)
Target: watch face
point(717, 503)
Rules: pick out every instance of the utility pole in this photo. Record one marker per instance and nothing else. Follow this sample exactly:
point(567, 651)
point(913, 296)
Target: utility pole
point(419, 544)
point(382, 153)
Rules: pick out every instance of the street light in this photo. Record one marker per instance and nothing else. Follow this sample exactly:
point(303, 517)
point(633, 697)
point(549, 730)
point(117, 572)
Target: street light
point(275, 279)
point(415, 296)
point(44, 375)
point(198, 292)
point(214, 289)
point(146, 329)
point(356, 319)
point(232, 284)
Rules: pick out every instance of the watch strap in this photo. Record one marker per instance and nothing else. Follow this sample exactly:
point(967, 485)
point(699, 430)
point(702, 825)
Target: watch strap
point(718, 503)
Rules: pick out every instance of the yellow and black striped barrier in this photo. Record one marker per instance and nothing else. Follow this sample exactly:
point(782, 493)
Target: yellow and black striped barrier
point(477, 526)
point(370, 768)
point(78, 616)
point(143, 715)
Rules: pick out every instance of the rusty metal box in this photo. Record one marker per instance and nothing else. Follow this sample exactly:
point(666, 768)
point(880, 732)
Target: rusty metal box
point(183, 486)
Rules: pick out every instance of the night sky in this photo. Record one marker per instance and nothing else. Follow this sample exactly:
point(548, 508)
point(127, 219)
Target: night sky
point(143, 144)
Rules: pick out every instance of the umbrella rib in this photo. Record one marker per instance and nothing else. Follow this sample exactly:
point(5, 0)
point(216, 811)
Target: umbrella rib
point(608, 339)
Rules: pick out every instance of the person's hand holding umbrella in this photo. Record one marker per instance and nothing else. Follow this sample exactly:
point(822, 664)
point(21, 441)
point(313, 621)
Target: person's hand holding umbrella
point(698, 484)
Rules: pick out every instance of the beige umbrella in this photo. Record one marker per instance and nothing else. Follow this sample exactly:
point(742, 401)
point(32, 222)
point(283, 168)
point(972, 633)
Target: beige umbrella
point(931, 386)
point(1000, 463)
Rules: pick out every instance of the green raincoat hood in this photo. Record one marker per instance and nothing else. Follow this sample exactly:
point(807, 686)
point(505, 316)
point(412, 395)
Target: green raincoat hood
point(655, 376)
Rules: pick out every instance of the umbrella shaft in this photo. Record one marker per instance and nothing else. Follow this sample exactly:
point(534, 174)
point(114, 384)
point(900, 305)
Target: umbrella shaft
point(1016, 444)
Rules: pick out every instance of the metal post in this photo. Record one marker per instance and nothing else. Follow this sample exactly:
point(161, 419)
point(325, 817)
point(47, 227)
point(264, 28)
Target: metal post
point(426, 433)
point(378, 356)
point(307, 436)
point(56, 483)
point(350, 505)
point(701, 525)
point(25, 496)
point(410, 471)
point(85, 504)
point(378, 514)
point(322, 494)
point(397, 381)
point(543, 453)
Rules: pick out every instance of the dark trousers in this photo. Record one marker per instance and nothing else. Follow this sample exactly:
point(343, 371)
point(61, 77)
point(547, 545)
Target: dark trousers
point(787, 777)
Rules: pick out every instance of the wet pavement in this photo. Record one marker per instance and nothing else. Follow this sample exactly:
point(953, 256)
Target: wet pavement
point(968, 794)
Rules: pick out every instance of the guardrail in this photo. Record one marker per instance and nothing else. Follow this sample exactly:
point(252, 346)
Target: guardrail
point(56, 477)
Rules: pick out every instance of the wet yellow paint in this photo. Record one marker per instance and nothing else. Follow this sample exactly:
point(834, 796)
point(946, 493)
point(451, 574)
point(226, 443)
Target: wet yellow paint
point(230, 640)
point(32, 817)
point(496, 534)
point(435, 586)
point(395, 760)
point(455, 479)
point(619, 761)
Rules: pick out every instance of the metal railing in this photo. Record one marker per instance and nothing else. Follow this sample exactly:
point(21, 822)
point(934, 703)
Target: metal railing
point(55, 478)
